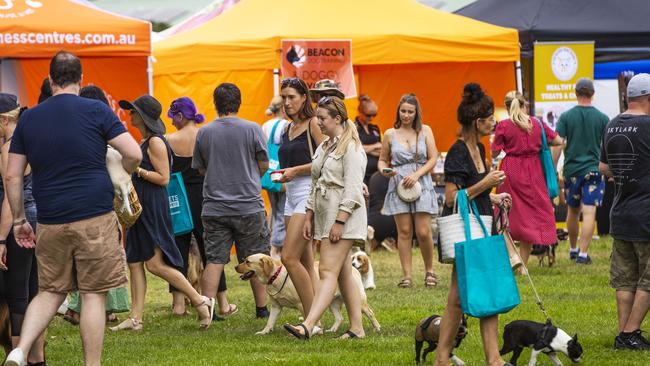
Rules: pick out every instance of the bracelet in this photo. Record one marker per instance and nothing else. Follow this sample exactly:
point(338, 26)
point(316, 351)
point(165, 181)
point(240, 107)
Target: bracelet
point(339, 222)
point(20, 222)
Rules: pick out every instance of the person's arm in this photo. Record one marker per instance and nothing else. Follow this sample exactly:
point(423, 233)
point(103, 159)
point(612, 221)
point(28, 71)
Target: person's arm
point(262, 162)
point(491, 180)
point(354, 166)
point(5, 214)
point(556, 150)
point(605, 170)
point(23, 231)
point(159, 159)
point(432, 152)
point(384, 155)
point(261, 154)
point(373, 149)
point(129, 149)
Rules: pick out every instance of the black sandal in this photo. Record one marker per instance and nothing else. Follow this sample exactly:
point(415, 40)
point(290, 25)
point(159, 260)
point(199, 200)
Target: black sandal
point(294, 332)
point(350, 335)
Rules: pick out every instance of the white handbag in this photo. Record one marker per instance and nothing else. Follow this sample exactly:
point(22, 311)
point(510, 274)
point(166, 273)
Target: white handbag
point(452, 231)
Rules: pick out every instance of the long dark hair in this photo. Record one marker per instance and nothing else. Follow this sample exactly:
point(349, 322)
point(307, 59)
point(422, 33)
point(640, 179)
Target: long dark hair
point(474, 105)
point(410, 98)
point(307, 110)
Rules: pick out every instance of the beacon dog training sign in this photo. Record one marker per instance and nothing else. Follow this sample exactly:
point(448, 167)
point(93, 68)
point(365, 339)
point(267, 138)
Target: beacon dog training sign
point(313, 60)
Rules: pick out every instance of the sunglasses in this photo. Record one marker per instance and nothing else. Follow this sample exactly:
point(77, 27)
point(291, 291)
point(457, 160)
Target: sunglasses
point(322, 102)
point(292, 82)
point(371, 115)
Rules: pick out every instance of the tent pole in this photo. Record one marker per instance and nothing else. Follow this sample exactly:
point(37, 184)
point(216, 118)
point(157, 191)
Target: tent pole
point(150, 75)
point(276, 81)
point(518, 77)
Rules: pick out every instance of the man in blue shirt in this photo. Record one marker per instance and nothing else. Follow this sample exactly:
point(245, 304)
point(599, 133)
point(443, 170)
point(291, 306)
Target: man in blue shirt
point(64, 141)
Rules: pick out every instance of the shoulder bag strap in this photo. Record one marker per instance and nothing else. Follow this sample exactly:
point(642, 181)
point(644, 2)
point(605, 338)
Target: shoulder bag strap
point(311, 146)
point(272, 136)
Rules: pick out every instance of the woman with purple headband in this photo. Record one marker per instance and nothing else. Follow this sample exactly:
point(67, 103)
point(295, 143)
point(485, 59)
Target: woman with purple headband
point(185, 118)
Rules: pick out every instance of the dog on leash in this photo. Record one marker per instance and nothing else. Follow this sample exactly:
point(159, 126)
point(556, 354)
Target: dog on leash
point(361, 261)
point(428, 330)
point(282, 292)
point(542, 338)
point(544, 253)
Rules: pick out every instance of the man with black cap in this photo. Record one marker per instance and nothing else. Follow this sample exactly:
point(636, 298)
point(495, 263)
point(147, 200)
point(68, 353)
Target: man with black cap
point(582, 129)
point(625, 156)
point(64, 140)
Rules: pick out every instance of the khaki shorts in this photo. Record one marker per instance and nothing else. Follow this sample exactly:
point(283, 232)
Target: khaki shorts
point(630, 266)
point(84, 255)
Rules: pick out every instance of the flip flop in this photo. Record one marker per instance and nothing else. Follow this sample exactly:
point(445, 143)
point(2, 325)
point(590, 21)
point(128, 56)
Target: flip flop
point(231, 310)
point(294, 331)
point(350, 335)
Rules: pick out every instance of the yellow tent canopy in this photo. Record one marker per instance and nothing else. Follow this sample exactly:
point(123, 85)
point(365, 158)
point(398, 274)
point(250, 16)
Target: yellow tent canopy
point(398, 46)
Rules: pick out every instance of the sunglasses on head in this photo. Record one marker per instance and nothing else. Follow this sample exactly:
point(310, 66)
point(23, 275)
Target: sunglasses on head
point(322, 102)
point(291, 82)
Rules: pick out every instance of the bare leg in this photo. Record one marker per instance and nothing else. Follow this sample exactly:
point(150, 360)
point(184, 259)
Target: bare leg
point(490, 334)
point(404, 223)
point(210, 279)
point(524, 252)
point(351, 296)
point(178, 303)
point(294, 258)
point(37, 353)
point(39, 313)
point(425, 239)
point(259, 293)
point(331, 259)
point(138, 290)
point(449, 324)
point(624, 303)
point(157, 266)
point(573, 225)
point(639, 311)
point(588, 226)
point(91, 326)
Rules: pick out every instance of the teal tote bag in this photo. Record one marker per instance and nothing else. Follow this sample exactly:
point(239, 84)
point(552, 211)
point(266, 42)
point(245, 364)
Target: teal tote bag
point(486, 284)
point(548, 167)
point(179, 206)
point(274, 162)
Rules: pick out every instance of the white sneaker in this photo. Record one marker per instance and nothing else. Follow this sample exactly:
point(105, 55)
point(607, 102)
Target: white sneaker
point(15, 358)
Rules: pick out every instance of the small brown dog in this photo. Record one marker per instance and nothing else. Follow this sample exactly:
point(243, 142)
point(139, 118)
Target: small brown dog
point(544, 253)
point(5, 327)
point(428, 330)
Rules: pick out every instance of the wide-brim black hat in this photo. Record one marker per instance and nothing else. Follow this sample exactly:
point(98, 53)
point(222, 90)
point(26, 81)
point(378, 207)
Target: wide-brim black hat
point(149, 109)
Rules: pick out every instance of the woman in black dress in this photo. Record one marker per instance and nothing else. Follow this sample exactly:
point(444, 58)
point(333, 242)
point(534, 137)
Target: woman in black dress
point(150, 240)
point(466, 168)
point(369, 134)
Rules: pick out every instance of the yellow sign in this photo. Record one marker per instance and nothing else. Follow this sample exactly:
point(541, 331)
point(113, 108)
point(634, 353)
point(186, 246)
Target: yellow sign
point(558, 66)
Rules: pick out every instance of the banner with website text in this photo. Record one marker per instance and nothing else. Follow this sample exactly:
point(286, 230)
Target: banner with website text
point(313, 60)
point(558, 65)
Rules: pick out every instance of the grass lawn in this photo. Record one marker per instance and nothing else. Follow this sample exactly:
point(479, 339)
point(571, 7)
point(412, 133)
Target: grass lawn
point(577, 298)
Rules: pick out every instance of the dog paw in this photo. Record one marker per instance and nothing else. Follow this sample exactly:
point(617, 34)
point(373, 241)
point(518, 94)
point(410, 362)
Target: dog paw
point(264, 331)
point(332, 330)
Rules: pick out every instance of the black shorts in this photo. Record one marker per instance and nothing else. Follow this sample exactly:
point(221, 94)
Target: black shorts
point(250, 234)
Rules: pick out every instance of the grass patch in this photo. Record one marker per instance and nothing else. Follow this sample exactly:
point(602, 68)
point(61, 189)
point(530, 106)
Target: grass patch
point(577, 298)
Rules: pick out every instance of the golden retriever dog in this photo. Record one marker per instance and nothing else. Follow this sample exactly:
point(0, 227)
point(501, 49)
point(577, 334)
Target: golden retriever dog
point(5, 328)
point(361, 261)
point(282, 293)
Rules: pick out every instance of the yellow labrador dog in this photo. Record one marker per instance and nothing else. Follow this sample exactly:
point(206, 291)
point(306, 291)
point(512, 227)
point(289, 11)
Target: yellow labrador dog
point(283, 294)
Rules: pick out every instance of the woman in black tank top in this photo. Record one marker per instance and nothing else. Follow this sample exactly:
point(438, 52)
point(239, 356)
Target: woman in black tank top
point(298, 143)
point(185, 118)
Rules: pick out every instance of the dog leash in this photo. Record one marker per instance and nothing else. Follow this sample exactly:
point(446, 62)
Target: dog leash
point(504, 225)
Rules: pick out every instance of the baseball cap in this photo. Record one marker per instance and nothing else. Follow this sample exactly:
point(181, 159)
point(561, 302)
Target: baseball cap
point(638, 86)
point(8, 102)
point(585, 84)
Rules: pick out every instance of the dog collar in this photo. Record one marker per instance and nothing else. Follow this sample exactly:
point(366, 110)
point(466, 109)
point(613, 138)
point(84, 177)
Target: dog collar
point(275, 275)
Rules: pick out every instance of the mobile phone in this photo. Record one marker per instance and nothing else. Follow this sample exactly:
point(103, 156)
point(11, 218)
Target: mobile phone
point(387, 170)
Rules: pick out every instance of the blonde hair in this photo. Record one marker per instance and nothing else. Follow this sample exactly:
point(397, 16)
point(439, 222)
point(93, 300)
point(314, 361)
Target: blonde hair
point(516, 105)
point(335, 107)
point(12, 113)
point(275, 106)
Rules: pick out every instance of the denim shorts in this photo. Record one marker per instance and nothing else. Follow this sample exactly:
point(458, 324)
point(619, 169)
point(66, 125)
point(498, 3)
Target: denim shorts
point(250, 234)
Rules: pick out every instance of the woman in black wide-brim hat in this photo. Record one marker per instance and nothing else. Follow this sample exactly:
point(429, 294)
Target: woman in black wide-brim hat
point(150, 240)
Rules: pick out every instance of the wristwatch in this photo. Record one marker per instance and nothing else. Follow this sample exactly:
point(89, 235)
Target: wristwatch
point(339, 222)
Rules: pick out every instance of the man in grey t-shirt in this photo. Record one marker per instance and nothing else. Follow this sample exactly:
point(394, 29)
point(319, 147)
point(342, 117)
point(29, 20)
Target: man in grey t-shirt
point(231, 152)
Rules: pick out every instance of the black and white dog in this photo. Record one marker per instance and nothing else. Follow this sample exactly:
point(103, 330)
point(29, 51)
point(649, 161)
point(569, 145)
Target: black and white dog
point(542, 338)
point(428, 330)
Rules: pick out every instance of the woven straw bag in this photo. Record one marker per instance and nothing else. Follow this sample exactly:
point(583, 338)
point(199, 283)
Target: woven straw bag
point(128, 214)
point(410, 195)
point(452, 231)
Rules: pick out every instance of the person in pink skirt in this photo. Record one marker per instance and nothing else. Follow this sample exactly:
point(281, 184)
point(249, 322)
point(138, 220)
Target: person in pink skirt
point(531, 218)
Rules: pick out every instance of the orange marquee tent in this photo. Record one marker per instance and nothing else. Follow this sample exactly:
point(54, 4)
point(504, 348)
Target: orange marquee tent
point(398, 46)
point(114, 50)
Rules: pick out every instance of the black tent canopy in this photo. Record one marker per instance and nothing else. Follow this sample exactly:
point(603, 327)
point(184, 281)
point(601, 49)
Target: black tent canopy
point(620, 28)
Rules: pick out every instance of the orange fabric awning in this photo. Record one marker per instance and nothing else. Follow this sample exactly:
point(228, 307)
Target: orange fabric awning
point(40, 28)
